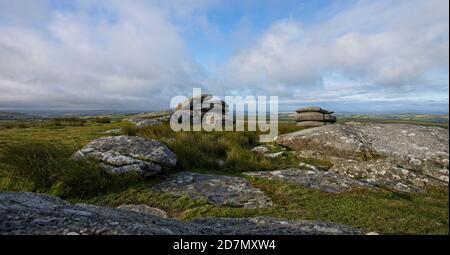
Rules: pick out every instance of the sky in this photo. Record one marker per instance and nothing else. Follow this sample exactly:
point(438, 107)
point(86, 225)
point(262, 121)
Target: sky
point(345, 55)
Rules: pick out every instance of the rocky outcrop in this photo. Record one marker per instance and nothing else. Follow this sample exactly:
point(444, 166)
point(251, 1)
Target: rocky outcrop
point(144, 209)
point(123, 154)
point(216, 189)
point(149, 118)
point(313, 109)
point(162, 115)
point(313, 117)
point(142, 122)
point(314, 179)
point(397, 156)
point(203, 109)
point(29, 213)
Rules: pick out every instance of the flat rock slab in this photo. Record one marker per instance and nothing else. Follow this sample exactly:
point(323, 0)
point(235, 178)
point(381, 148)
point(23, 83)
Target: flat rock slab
point(314, 179)
point(220, 190)
point(123, 154)
point(30, 213)
point(398, 156)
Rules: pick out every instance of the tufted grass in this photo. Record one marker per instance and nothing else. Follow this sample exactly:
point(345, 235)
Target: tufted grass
point(48, 168)
point(37, 159)
point(226, 152)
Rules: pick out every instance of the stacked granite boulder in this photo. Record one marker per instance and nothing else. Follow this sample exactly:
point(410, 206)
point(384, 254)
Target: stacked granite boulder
point(314, 117)
point(149, 118)
point(206, 107)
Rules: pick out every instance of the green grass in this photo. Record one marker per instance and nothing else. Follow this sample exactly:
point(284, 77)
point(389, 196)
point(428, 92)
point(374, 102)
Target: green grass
point(49, 168)
point(102, 120)
point(382, 211)
point(220, 152)
point(322, 164)
point(37, 159)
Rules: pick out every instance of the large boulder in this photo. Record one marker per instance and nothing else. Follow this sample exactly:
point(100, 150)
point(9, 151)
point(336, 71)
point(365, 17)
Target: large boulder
point(314, 116)
point(402, 157)
point(311, 124)
point(123, 154)
point(313, 109)
point(216, 189)
point(29, 213)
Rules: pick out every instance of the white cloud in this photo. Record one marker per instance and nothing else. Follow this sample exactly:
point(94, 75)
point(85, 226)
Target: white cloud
point(95, 55)
point(133, 54)
point(375, 48)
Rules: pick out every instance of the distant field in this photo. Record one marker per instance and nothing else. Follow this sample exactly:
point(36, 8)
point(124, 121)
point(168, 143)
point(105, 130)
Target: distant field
point(414, 119)
point(423, 119)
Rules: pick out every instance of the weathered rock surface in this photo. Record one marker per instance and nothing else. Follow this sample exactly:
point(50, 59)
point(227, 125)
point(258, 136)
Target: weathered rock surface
point(144, 209)
point(149, 118)
point(123, 154)
point(274, 155)
point(311, 124)
point(314, 179)
point(260, 149)
point(29, 213)
point(163, 115)
point(315, 116)
point(142, 122)
point(313, 109)
point(398, 156)
point(220, 190)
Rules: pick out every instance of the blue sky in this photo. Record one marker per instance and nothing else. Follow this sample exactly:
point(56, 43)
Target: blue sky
point(347, 55)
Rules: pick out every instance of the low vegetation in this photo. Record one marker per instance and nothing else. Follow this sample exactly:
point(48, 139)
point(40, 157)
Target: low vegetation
point(102, 120)
point(37, 159)
point(49, 168)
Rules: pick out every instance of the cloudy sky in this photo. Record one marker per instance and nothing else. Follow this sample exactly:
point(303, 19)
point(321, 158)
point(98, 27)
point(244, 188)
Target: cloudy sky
point(364, 56)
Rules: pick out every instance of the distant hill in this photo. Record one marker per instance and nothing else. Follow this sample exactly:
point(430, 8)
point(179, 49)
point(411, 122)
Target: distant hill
point(16, 116)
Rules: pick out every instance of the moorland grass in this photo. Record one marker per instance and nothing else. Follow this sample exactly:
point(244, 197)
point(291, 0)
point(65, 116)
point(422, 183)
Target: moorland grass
point(383, 211)
point(49, 168)
point(37, 159)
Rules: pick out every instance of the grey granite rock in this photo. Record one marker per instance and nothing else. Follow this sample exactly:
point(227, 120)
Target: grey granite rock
point(29, 213)
point(144, 209)
point(217, 189)
point(313, 109)
point(260, 149)
point(123, 154)
point(315, 116)
point(311, 124)
point(315, 179)
point(274, 155)
point(143, 122)
point(397, 156)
